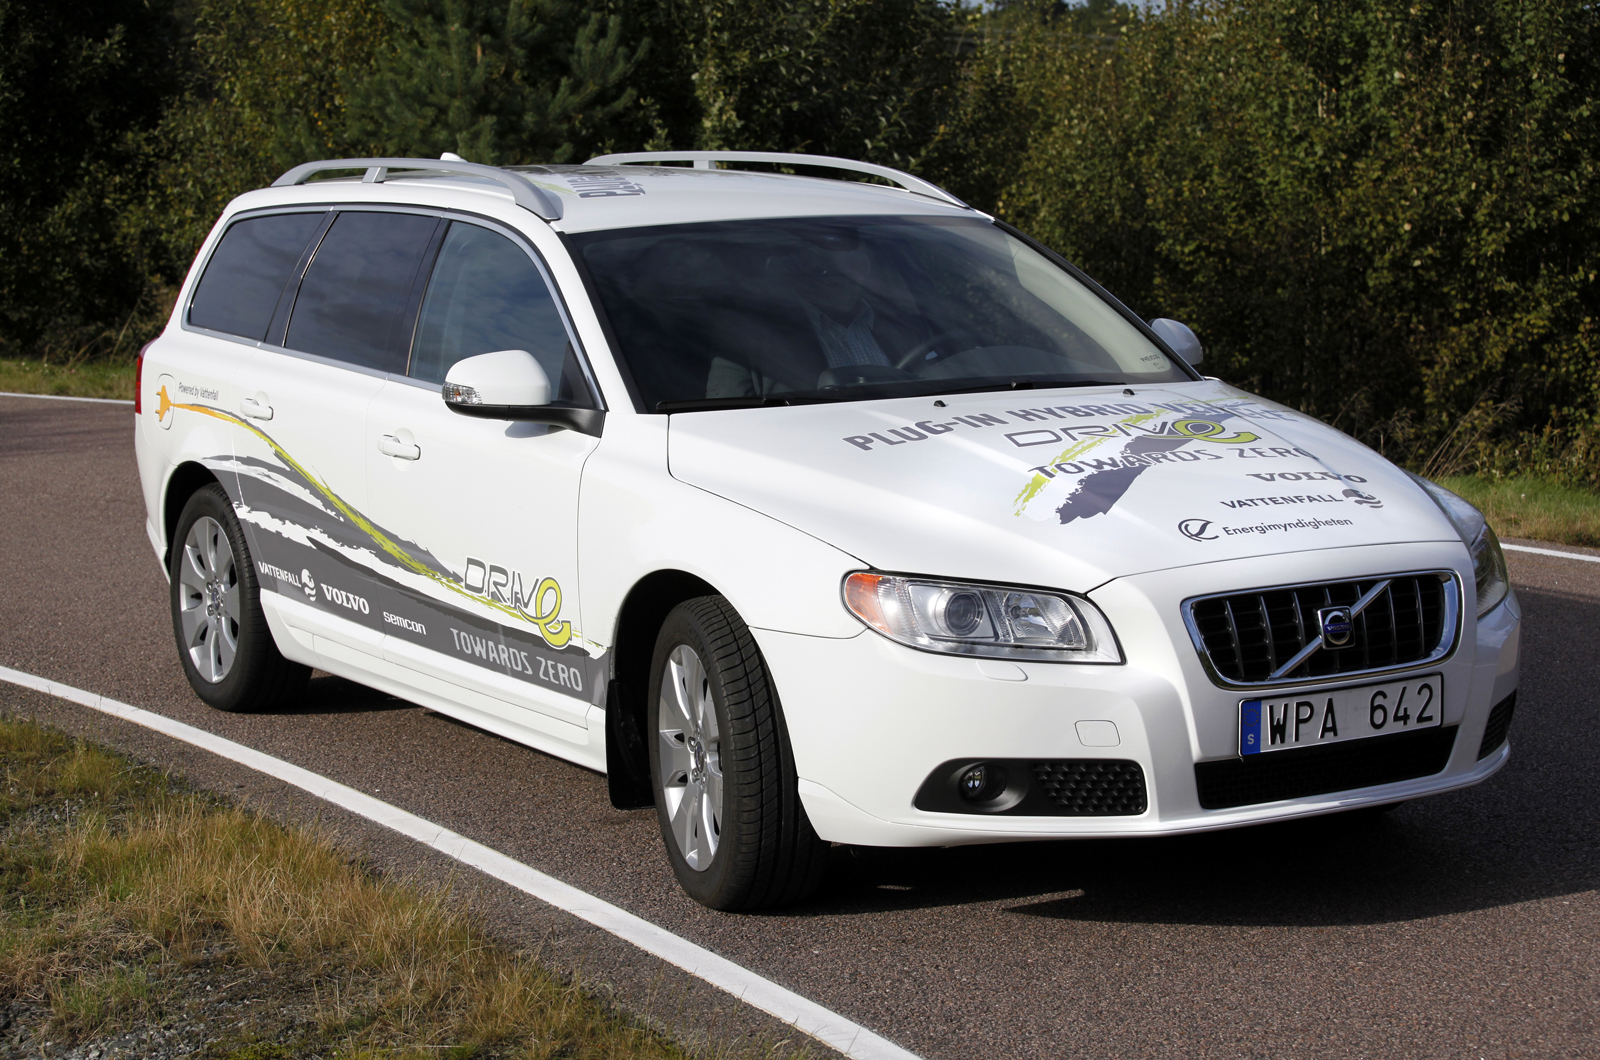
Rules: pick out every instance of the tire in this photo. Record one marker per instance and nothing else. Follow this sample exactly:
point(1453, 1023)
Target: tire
point(721, 768)
point(223, 641)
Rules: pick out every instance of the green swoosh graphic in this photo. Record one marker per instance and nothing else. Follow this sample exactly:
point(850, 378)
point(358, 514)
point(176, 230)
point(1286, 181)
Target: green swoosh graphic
point(556, 633)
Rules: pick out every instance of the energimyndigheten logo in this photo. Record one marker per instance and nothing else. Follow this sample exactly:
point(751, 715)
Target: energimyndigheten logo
point(1337, 625)
point(309, 584)
point(1195, 529)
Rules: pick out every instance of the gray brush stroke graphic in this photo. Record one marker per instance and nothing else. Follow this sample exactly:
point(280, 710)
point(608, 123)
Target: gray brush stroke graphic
point(1099, 491)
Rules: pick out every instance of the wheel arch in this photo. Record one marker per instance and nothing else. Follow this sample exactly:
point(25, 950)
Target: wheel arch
point(639, 620)
point(185, 479)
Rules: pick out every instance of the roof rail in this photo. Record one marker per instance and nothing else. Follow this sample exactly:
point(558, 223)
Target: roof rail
point(709, 159)
point(523, 192)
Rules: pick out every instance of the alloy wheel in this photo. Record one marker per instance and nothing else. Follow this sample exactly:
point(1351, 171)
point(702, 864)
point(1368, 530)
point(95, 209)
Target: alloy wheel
point(209, 599)
point(691, 757)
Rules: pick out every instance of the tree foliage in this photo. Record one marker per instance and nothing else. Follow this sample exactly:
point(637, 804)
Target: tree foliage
point(267, 88)
point(864, 79)
point(1380, 212)
point(502, 82)
point(78, 82)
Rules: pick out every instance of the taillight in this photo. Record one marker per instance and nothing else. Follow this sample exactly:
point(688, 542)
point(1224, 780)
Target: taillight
point(138, 378)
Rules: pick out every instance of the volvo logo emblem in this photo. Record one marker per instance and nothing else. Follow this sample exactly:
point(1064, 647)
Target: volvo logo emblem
point(1337, 625)
point(1195, 529)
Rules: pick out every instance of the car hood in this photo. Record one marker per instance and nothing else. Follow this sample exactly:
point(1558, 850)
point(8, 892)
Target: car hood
point(1067, 487)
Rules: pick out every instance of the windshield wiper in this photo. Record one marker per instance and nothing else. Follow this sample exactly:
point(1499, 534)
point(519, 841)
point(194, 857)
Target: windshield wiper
point(866, 391)
point(708, 404)
point(1026, 384)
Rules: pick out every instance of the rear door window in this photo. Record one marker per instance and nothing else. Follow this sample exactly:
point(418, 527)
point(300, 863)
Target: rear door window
point(354, 295)
point(252, 265)
point(486, 294)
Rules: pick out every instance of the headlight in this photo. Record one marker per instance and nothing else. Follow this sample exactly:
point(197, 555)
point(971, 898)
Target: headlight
point(962, 618)
point(1488, 562)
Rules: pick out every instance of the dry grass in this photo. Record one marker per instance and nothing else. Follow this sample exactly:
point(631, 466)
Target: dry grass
point(112, 878)
point(1534, 508)
point(97, 379)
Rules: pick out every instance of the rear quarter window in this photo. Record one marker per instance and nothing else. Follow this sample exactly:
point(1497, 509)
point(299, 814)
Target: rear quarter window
point(247, 273)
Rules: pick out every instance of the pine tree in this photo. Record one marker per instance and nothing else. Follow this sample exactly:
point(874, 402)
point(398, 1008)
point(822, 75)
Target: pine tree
point(502, 82)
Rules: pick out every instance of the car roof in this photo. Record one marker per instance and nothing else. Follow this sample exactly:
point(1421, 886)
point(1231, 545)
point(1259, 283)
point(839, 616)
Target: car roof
point(600, 197)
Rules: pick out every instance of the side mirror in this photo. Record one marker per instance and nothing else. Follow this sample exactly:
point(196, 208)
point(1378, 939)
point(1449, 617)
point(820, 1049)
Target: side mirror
point(511, 385)
point(1183, 341)
point(498, 386)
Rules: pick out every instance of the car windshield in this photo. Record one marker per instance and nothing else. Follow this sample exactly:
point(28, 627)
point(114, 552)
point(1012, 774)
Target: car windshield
point(738, 313)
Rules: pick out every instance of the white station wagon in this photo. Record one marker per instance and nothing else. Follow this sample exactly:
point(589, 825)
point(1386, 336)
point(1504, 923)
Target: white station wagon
point(810, 510)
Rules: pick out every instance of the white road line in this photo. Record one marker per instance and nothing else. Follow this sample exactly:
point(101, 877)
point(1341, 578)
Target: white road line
point(64, 397)
point(1549, 552)
point(826, 1026)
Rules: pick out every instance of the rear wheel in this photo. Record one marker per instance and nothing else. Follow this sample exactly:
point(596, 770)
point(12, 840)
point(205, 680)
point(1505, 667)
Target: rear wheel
point(227, 650)
point(723, 773)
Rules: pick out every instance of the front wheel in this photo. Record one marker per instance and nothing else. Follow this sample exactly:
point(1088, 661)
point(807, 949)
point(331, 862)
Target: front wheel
point(227, 650)
point(723, 773)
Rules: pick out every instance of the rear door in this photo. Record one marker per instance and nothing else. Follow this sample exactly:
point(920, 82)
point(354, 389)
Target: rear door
point(197, 377)
point(301, 465)
point(483, 513)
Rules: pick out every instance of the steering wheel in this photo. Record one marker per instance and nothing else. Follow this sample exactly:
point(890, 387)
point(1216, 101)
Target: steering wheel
point(922, 349)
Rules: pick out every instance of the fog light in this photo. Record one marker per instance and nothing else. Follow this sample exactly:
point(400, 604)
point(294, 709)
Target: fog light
point(966, 786)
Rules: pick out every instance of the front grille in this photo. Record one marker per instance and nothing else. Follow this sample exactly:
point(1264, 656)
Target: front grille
point(1246, 638)
point(1310, 771)
point(1093, 787)
point(1494, 734)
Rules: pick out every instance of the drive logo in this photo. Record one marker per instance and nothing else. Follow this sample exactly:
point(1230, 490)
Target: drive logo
point(503, 586)
point(344, 599)
point(309, 584)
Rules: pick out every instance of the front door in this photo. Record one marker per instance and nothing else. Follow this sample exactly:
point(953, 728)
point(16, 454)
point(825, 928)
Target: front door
point(481, 515)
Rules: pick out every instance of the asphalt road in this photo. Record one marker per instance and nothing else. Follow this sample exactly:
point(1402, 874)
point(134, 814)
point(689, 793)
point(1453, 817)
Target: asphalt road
point(1464, 925)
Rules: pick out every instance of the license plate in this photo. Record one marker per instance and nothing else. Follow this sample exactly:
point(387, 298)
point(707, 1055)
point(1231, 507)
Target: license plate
point(1315, 719)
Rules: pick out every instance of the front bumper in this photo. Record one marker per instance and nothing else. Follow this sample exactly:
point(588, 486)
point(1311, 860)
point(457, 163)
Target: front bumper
point(870, 720)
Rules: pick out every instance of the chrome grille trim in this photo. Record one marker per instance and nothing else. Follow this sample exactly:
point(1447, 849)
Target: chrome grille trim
point(1276, 618)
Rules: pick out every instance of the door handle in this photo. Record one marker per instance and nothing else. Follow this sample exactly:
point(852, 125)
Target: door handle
point(256, 409)
point(389, 445)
